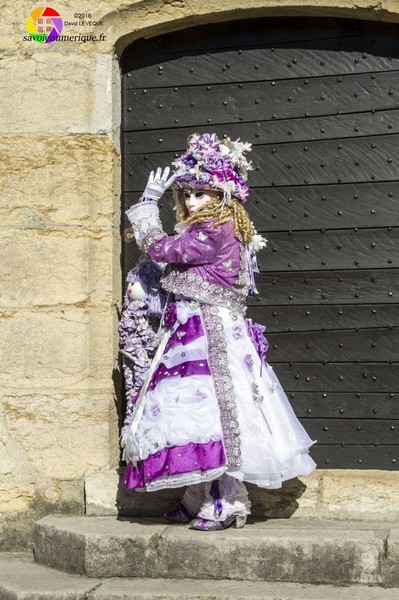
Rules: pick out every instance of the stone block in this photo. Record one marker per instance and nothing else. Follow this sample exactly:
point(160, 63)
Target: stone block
point(191, 589)
point(80, 84)
point(22, 579)
point(313, 497)
point(64, 544)
point(360, 495)
point(43, 496)
point(101, 492)
point(62, 268)
point(59, 181)
point(16, 498)
point(391, 562)
point(63, 436)
point(69, 348)
point(279, 550)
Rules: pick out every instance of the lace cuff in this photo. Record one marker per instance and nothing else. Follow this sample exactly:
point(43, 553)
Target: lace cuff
point(144, 217)
point(153, 235)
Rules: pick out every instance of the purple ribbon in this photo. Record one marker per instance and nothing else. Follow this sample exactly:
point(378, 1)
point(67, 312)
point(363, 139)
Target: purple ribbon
point(255, 331)
point(217, 501)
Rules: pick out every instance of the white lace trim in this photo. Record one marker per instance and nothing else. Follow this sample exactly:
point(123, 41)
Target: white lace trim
point(144, 217)
point(185, 479)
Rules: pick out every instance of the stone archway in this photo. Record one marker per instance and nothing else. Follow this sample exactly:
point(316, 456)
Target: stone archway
point(148, 18)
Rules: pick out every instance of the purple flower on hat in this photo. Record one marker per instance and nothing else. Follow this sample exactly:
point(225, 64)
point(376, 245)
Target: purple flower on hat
point(216, 162)
point(190, 161)
point(204, 141)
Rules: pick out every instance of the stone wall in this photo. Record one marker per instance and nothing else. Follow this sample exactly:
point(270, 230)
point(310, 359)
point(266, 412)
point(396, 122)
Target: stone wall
point(325, 494)
point(60, 246)
point(60, 278)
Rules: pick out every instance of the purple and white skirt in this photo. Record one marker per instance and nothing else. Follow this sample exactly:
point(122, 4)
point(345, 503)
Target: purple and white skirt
point(210, 406)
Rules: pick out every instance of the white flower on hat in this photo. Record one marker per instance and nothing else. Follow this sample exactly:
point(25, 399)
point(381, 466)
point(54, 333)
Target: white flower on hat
point(258, 242)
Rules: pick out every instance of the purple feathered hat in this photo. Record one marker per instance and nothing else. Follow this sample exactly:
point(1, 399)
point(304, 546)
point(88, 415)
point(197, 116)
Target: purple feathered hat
point(211, 163)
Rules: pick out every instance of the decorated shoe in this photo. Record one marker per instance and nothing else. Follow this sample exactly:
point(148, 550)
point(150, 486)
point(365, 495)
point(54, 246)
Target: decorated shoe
point(179, 514)
point(207, 525)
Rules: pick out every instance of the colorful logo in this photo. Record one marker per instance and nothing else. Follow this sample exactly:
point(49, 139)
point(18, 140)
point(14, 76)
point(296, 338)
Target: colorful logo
point(44, 24)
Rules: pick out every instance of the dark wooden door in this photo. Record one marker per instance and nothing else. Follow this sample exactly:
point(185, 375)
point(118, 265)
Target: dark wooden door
point(318, 99)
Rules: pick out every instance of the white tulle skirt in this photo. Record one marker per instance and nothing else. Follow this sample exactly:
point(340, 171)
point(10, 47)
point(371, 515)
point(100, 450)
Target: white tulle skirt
point(210, 406)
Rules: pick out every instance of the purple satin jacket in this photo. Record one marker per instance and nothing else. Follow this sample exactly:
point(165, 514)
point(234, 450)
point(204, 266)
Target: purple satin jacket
point(206, 264)
point(213, 254)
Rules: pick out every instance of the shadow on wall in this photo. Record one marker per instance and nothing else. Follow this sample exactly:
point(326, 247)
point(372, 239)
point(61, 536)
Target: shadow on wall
point(269, 504)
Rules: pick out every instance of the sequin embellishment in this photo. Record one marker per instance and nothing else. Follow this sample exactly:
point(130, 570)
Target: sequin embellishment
point(228, 265)
point(258, 398)
point(223, 382)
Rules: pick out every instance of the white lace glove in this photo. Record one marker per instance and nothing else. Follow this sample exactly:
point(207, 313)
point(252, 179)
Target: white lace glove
point(158, 183)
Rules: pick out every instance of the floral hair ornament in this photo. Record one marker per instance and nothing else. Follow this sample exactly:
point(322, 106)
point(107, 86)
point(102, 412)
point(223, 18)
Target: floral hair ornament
point(211, 163)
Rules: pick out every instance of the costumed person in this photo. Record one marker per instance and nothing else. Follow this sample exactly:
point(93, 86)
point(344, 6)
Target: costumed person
point(142, 309)
point(211, 413)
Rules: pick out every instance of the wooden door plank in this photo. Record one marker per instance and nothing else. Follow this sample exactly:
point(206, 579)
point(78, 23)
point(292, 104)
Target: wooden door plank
point(366, 159)
point(374, 345)
point(189, 105)
point(339, 249)
point(307, 208)
point(256, 64)
point(352, 205)
point(335, 456)
point(328, 287)
point(348, 405)
point(338, 377)
point(328, 317)
point(268, 131)
point(353, 431)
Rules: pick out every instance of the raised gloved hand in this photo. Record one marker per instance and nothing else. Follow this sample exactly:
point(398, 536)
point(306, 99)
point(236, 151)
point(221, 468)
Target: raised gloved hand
point(158, 183)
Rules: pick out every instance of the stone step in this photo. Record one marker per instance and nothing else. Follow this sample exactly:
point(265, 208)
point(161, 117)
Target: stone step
point(23, 579)
point(317, 552)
